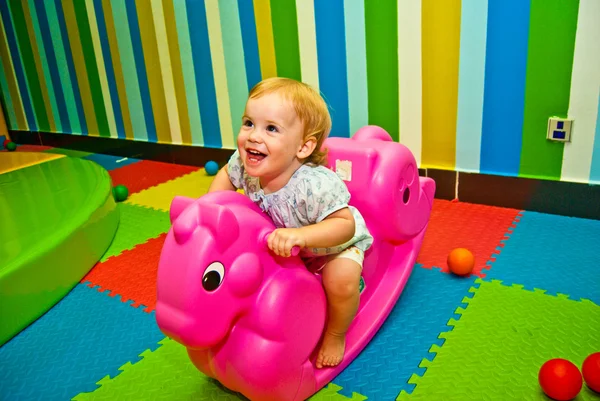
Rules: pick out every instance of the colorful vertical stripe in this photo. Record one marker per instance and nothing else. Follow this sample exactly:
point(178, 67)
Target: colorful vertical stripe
point(211, 126)
point(381, 27)
point(331, 48)
point(356, 64)
point(410, 76)
point(307, 42)
point(471, 78)
point(466, 85)
point(264, 33)
point(504, 94)
point(549, 62)
point(441, 44)
point(595, 167)
point(235, 69)
point(285, 37)
point(585, 87)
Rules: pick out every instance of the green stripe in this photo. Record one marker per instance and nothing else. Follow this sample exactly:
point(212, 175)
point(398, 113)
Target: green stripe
point(63, 67)
point(553, 24)
point(285, 34)
point(234, 62)
point(33, 81)
point(381, 27)
point(45, 68)
point(189, 76)
point(92, 69)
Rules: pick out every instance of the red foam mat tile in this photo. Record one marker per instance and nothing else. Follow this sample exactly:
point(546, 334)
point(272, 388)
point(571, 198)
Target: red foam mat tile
point(33, 148)
point(479, 228)
point(147, 173)
point(131, 275)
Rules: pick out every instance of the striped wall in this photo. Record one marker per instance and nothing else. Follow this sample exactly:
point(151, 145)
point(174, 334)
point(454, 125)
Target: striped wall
point(466, 85)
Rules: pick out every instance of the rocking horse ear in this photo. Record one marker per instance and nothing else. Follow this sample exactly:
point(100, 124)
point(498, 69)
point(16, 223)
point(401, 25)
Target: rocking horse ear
point(178, 205)
point(222, 223)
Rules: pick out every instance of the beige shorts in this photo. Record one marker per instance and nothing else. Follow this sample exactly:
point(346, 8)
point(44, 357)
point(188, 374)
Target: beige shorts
point(352, 253)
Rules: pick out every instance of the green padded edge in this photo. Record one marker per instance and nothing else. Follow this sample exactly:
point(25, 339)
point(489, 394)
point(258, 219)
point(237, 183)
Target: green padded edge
point(507, 329)
point(138, 225)
point(68, 152)
point(43, 272)
point(168, 374)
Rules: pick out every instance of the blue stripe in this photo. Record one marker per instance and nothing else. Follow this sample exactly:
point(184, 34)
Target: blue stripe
point(331, 52)
point(504, 97)
point(53, 67)
point(595, 170)
point(250, 41)
point(471, 78)
point(108, 66)
point(207, 97)
point(16, 59)
point(67, 48)
point(138, 51)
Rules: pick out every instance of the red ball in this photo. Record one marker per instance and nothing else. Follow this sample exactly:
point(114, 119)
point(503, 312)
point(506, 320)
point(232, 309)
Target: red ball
point(560, 379)
point(591, 371)
point(6, 141)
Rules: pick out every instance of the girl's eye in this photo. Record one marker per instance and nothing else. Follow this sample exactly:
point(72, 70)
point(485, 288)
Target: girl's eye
point(248, 123)
point(272, 128)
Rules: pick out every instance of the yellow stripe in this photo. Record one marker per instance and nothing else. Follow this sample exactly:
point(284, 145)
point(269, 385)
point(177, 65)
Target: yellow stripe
point(3, 127)
point(307, 34)
point(155, 81)
point(218, 63)
point(38, 65)
point(177, 71)
point(441, 44)
point(101, 68)
point(116, 62)
point(167, 72)
point(264, 33)
point(80, 69)
point(15, 95)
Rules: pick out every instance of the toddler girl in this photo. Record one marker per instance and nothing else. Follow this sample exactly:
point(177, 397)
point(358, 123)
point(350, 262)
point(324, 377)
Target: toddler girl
point(280, 165)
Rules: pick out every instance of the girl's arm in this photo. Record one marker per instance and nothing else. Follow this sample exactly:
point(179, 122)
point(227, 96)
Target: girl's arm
point(221, 182)
point(336, 229)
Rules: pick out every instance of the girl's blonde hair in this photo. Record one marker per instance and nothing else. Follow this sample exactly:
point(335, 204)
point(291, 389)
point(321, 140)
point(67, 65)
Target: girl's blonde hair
point(309, 106)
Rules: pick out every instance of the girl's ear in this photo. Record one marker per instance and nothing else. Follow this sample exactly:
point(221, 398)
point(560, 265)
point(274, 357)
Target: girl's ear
point(307, 148)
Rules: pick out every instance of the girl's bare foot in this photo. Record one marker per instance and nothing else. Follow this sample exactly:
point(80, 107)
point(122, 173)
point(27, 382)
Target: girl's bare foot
point(332, 350)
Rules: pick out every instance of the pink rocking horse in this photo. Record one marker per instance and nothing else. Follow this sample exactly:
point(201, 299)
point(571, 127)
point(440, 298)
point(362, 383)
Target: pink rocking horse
point(253, 320)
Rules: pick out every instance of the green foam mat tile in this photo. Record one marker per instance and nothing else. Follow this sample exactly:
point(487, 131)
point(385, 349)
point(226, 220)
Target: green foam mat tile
point(68, 152)
point(138, 224)
point(168, 374)
point(501, 340)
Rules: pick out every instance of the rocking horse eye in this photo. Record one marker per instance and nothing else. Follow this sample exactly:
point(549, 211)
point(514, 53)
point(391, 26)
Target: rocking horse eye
point(213, 276)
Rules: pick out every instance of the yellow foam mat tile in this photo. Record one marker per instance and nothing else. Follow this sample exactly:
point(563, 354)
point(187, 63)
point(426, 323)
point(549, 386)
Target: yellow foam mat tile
point(18, 160)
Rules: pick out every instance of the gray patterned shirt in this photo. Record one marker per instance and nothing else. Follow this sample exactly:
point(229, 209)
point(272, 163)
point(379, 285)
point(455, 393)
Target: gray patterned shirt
point(311, 194)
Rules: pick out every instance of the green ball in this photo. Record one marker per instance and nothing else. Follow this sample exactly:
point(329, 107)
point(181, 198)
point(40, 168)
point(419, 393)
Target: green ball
point(11, 146)
point(120, 192)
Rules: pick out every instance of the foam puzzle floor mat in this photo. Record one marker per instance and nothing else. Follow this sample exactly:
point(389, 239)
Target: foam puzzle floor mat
point(531, 297)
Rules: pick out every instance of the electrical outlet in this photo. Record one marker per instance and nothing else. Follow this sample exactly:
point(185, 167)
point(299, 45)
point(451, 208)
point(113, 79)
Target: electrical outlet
point(559, 129)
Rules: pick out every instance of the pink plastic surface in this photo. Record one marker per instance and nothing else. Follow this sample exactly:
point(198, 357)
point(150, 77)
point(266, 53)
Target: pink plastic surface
point(258, 332)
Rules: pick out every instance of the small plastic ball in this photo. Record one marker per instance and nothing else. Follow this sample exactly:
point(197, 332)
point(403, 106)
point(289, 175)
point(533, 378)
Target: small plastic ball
point(591, 371)
point(11, 146)
point(560, 379)
point(120, 192)
point(461, 261)
point(211, 167)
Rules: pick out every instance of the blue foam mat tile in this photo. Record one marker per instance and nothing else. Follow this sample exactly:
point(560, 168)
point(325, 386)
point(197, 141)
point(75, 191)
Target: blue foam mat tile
point(82, 339)
point(110, 162)
point(553, 253)
point(426, 305)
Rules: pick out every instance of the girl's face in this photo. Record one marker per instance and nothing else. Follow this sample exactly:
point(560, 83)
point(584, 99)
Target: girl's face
point(271, 141)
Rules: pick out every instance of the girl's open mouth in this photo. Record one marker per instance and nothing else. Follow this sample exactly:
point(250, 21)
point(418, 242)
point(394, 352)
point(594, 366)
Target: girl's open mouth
point(255, 156)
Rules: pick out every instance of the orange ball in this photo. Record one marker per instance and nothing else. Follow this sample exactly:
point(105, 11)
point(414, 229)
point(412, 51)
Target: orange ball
point(461, 261)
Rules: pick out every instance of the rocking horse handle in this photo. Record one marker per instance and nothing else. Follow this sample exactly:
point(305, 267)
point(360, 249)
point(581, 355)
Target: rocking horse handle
point(295, 249)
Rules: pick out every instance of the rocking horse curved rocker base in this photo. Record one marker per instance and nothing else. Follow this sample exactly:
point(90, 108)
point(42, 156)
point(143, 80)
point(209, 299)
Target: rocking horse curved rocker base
point(253, 320)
